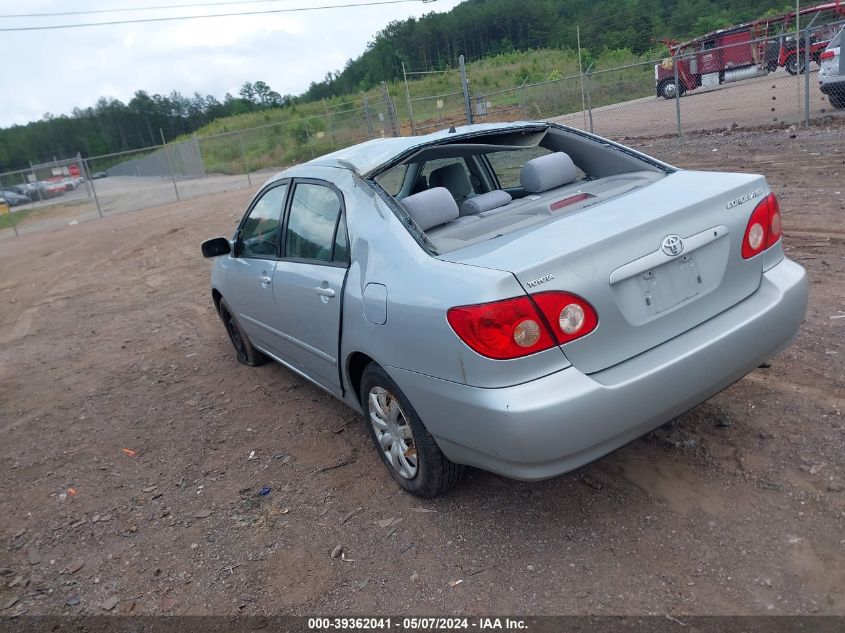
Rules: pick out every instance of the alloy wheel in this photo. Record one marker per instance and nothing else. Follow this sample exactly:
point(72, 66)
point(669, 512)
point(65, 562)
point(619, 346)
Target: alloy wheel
point(393, 432)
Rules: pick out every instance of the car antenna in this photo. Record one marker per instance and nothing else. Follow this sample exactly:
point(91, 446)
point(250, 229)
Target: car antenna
point(452, 129)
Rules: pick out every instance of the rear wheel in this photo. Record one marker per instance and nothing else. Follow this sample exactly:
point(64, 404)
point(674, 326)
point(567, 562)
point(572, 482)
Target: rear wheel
point(666, 89)
point(794, 65)
point(244, 351)
point(407, 449)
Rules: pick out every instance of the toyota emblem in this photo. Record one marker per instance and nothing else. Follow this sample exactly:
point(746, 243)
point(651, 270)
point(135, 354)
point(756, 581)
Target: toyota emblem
point(672, 245)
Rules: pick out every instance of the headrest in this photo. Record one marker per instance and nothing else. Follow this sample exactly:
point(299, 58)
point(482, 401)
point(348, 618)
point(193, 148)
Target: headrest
point(547, 172)
point(454, 177)
point(485, 202)
point(432, 207)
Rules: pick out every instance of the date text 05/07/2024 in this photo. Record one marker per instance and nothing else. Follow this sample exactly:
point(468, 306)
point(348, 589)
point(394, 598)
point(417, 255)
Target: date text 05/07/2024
point(416, 624)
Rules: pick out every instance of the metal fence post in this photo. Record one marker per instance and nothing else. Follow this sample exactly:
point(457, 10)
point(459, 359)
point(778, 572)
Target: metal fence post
point(308, 136)
point(368, 116)
point(329, 123)
point(88, 178)
point(807, 78)
point(35, 180)
point(465, 85)
point(199, 153)
point(590, 96)
point(408, 99)
point(169, 164)
point(390, 109)
point(243, 157)
point(82, 168)
point(581, 73)
point(675, 61)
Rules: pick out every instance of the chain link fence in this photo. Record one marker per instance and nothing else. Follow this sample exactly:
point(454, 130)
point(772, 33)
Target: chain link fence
point(636, 100)
point(67, 192)
point(443, 109)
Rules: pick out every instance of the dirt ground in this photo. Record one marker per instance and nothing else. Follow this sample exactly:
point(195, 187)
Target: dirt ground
point(133, 449)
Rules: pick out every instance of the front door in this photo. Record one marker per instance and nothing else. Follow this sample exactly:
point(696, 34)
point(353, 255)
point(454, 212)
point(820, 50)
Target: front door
point(250, 295)
point(308, 281)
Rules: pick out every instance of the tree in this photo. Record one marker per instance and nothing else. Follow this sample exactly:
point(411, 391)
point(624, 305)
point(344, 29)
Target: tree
point(247, 92)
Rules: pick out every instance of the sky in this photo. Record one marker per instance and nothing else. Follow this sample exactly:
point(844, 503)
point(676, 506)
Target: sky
point(56, 70)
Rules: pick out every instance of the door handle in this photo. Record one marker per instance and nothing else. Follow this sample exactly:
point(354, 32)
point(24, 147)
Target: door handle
point(264, 279)
point(325, 292)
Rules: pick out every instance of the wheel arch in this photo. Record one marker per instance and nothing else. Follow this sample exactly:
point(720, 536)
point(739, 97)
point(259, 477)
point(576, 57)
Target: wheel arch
point(216, 296)
point(356, 362)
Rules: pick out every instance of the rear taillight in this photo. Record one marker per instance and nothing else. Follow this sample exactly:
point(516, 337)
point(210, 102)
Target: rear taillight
point(827, 55)
point(764, 227)
point(569, 316)
point(514, 328)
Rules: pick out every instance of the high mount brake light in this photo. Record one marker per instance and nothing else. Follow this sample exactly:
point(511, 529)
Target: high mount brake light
point(764, 227)
point(521, 326)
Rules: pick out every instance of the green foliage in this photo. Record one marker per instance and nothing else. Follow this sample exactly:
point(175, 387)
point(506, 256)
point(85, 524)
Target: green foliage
point(479, 28)
point(113, 126)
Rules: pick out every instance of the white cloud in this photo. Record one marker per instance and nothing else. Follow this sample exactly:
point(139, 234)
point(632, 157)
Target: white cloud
point(58, 70)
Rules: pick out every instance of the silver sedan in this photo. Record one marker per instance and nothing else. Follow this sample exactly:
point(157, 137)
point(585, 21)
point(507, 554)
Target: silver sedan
point(522, 298)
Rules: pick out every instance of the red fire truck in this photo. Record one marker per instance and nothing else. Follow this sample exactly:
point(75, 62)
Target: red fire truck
point(748, 50)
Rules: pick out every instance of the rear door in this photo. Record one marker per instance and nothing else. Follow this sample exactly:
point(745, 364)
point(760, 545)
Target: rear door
point(308, 281)
point(250, 271)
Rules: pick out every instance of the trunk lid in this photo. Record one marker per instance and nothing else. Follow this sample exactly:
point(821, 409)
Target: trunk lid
point(620, 257)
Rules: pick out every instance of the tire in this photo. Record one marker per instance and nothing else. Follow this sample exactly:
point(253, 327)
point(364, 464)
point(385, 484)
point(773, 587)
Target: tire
point(244, 351)
point(666, 89)
point(837, 99)
point(420, 466)
point(793, 67)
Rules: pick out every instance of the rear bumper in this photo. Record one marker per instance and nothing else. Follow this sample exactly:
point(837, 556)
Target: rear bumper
point(555, 424)
point(832, 86)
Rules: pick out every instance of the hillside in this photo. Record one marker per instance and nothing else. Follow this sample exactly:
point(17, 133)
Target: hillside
point(289, 135)
point(482, 27)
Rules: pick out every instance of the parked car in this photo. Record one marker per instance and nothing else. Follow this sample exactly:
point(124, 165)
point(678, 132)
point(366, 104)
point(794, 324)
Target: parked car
point(29, 190)
point(99, 174)
point(832, 73)
point(54, 188)
point(524, 298)
point(13, 198)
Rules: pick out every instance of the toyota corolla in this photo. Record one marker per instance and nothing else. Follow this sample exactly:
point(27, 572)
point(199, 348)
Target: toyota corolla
point(523, 298)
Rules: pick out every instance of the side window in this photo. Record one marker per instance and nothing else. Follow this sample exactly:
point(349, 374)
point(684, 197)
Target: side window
point(341, 242)
point(315, 213)
point(393, 179)
point(450, 180)
point(260, 230)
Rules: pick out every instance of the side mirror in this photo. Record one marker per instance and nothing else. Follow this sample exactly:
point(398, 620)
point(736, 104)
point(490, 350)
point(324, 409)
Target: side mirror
point(216, 247)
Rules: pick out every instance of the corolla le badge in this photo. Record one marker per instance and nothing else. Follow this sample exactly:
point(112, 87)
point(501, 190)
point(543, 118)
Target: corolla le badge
point(672, 245)
point(751, 195)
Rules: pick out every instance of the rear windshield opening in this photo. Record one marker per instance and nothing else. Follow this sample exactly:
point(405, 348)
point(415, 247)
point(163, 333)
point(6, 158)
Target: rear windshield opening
point(468, 192)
